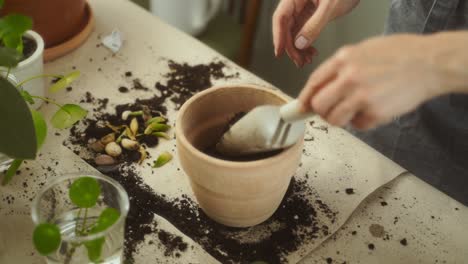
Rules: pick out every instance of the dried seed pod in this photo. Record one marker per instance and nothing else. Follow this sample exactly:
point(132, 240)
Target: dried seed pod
point(104, 160)
point(134, 126)
point(146, 113)
point(129, 144)
point(113, 149)
point(108, 139)
point(143, 155)
point(129, 133)
point(97, 146)
point(116, 129)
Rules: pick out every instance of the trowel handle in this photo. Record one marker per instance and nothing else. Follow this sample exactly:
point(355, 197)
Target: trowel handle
point(291, 112)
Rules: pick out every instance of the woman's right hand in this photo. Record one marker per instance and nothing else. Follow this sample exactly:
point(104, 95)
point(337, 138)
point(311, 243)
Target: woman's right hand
point(297, 24)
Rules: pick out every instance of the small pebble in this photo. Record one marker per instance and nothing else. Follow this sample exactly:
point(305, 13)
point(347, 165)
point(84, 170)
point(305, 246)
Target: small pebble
point(113, 149)
point(104, 160)
point(97, 146)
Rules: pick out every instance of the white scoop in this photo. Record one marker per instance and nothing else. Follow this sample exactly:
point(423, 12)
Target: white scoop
point(263, 129)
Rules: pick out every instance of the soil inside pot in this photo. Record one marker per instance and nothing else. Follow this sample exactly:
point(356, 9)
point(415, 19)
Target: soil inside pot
point(29, 47)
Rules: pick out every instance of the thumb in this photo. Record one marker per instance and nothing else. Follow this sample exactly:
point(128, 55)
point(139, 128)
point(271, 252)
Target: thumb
point(312, 28)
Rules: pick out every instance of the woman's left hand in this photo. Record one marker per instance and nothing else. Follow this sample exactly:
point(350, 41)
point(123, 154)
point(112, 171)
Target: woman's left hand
point(370, 83)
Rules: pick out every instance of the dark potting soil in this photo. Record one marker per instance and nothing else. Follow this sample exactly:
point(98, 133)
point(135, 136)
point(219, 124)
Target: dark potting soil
point(294, 222)
point(123, 89)
point(29, 47)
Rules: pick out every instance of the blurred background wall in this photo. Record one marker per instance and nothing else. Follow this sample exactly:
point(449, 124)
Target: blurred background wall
point(365, 21)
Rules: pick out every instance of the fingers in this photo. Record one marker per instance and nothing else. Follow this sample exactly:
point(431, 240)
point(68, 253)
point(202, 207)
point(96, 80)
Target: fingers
point(313, 26)
point(346, 110)
point(330, 96)
point(320, 77)
point(364, 121)
point(292, 52)
point(281, 21)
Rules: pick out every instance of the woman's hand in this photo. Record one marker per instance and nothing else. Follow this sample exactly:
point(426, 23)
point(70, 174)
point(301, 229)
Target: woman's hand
point(369, 83)
point(297, 24)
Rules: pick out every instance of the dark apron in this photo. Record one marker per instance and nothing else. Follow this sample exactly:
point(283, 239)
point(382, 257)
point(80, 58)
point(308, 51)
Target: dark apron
point(431, 142)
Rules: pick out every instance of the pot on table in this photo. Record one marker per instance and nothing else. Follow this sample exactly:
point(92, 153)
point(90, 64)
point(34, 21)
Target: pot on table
point(32, 66)
point(233, 193)
point(63, 24)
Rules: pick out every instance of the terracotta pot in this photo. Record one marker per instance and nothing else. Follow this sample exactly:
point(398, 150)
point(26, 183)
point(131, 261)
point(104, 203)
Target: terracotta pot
point(55, 20)
point(238, 194)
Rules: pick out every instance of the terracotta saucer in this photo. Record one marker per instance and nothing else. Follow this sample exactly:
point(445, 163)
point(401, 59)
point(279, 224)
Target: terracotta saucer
point(74, 42)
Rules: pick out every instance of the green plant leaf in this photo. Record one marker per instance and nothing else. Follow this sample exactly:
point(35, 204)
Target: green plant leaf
point(84, 192)
point(27, 96)
point(164, 158)
point(68, 115)
point(13, 41)
point(17, 133)
point(161, 135)
point(11, 171)
point(106, 219)
point(40, 126)
point(156, 127)
point(64, 81)
point(12, 28)
point(94, 248)
point(157, 119)
point(46, 238)
point(2, 2)
point(15, 24)
point(9, 57)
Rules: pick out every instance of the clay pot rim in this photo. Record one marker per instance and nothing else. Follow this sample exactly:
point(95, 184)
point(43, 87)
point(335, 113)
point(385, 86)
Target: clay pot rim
point(37, 53)
point(74, 42)
point(227, 163)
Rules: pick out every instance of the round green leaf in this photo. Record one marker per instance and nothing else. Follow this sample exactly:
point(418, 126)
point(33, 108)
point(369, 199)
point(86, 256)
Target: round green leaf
point(46, 238)
point(68, 115)
point(94, 248)
point(40, 127)
point(15, 24)
point(64, 81)
point(106, 219)
point(84, 192)
point(9, 57)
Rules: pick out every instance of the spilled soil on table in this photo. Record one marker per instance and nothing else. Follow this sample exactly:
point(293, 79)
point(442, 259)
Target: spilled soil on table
point(292, 224)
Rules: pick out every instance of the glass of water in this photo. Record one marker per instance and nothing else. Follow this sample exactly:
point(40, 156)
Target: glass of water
point(53, 205)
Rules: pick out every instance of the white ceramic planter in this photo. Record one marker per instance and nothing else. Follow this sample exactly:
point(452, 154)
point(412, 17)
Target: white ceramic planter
point(32, 66)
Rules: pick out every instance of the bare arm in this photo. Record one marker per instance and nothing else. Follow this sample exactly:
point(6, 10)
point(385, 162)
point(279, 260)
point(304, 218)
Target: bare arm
point(369, 83)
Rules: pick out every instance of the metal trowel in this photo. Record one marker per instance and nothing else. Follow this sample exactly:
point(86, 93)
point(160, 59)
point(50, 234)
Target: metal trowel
point(265, 128)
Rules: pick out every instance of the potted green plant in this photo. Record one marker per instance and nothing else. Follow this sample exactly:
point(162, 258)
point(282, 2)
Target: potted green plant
point(63, 24)
point(23, 128)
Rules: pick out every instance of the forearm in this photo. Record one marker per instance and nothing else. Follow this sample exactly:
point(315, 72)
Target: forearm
point(450, 60)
